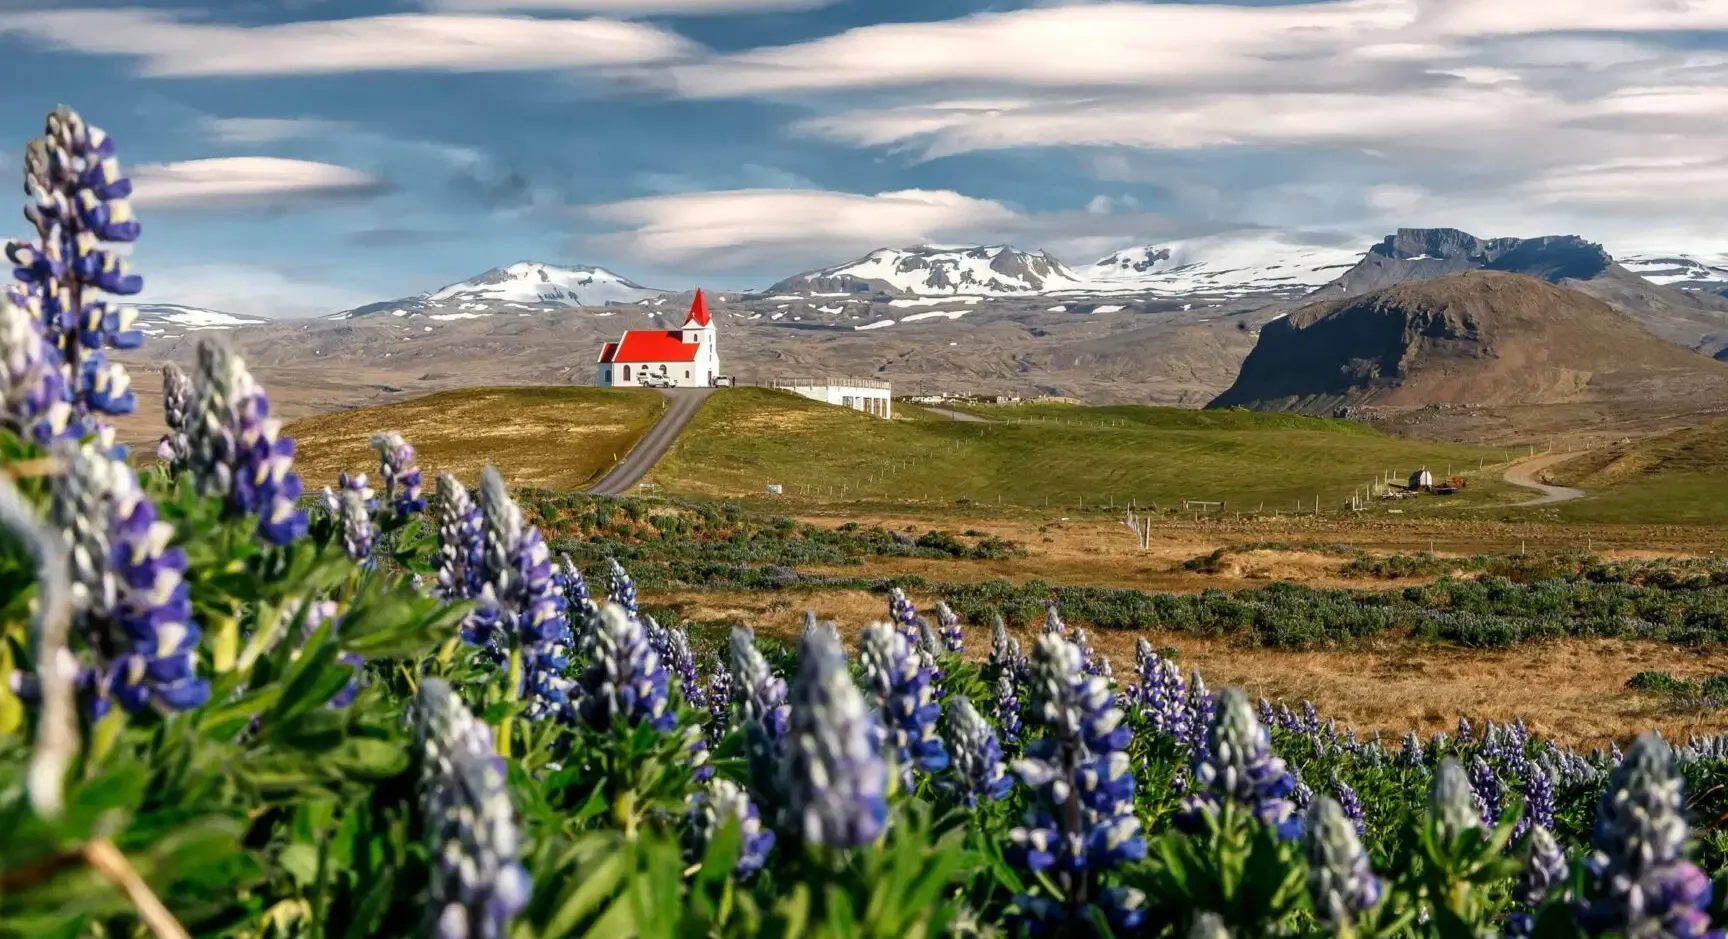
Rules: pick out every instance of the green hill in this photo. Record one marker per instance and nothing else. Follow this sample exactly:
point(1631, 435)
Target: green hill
point(748, 438)
point(552, 438)
point(1677, 478)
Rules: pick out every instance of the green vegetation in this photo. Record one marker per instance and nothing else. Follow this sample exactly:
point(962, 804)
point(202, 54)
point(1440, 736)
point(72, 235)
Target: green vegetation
point(747, 439)
point(1709, 694)
point(548, 437)
point(1677, 478)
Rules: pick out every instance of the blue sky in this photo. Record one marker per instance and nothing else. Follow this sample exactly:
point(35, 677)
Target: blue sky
point(296, 157)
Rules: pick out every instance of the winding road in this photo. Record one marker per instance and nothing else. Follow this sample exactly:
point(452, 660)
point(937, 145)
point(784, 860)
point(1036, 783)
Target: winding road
point(684, 403)
point(1525, 474)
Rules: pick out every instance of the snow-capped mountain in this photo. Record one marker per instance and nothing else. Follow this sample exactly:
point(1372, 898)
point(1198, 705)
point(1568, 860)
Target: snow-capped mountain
point(1685, 271)
point(1267, 264)
point(164, 319)
point(524, 286)
point(936, 270)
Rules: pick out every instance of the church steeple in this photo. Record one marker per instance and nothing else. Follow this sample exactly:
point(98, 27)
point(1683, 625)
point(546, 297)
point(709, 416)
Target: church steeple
point(698, 311)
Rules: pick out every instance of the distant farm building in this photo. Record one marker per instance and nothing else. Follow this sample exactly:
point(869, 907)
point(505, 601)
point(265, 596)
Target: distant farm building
point(1421, 479)
point(664, 358)
point(860, 394)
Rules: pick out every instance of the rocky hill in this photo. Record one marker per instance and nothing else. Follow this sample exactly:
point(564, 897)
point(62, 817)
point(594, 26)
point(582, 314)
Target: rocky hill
point(1482, 339)
point(935, 270)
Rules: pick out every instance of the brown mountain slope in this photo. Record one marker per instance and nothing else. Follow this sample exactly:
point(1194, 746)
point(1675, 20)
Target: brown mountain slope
point(1480, 338)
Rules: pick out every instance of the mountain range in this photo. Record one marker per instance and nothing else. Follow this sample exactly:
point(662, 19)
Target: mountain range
point(1169, 324)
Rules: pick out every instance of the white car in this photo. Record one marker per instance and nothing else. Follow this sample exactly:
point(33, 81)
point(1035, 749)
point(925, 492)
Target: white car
point(656, 381)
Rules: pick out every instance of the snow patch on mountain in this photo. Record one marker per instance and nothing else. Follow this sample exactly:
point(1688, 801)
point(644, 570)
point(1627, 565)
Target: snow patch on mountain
point(1698, 271)
point(163, 319)
point(1261, 263)
point(936, 270)
point(533, 282)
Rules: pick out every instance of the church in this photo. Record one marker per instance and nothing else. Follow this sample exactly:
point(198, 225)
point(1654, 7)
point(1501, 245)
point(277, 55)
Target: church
point(664, 358)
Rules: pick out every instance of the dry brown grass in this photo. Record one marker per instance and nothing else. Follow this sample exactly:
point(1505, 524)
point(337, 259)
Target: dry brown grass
point(554, 438)
point(1572, 690)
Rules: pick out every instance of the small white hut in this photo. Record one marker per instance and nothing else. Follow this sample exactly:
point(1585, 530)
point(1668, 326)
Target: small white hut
point(1422, 479)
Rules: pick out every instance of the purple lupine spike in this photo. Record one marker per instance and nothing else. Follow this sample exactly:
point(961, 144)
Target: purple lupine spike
point(721, 801)
point(237, 451)
point(719, 699)
point(1410, 756)
point(1486, 786)
point(899, 685)
point(1640, 882)
point(1006, 711)
point(132, 606)
point(1543, 874)
point(1082, 821)
point(79, 206)
point(1163, 698)
point(833, 775)
point(1538, 801)
point(174, 448)
point(33, 390)
point(625, 680)
point(573, 585)
point(461, 546)
point(1263, 710)
point(903, 614)
point(517, 568)
point(1339, 879)
point(1053, 620)
point(1202, 710)
point(620, 588)
point(1466, 733)
point(1239, 766)
point(354, 521)
point(953, 636)
point(929, 650)
point(401, 475)
point(761, 697)
point(976, 771)
point(470, 826)
point(1350, 803)
point(683, 662)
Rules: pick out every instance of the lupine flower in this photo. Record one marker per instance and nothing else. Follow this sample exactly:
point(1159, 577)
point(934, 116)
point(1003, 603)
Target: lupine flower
point(1239, 767)
point(683, 662)
point(953, 636)
point(900, 687)
point(1466, 734)
point(461, 541)
point(903, 614)
point(1082, 820)
point(624, 679)
point(760, 695)
point(1163, 698)
point(33, 393)
point(1339, 880)
point(834, 778)
point(174, 448)
point(78, 201)
point(1486, 786)
point(620, 588)
point(477, 885)
point(1201, 712)
point(1641, 883)
point(1452, 803)
point(237, 451)
point(1005, 654)
point(976, 770)
point(929, 648)
point(317, 614)
point(1538, 801)
point(1262, 707)
point(355, 524)
point(1006, 711)
point(517, 569)
point(721, 801)
point(1411, 755)
point(401, 475)
point(573, 585)
point(1543, 872)
point(130, 598)
point(1350, 803)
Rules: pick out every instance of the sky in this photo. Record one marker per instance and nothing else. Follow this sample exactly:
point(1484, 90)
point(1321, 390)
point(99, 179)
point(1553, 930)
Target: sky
point(299, 157)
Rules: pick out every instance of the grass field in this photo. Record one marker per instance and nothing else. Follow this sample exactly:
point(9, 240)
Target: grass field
point(551, 438)
point(748, 438)
point(1678, 478)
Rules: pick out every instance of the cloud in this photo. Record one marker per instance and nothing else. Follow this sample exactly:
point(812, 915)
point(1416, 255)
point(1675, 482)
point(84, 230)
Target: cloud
point(258, 130)
point(735, 229)
point(400, 42)
point(245, 289)
point(402, 237)
point(634, 8)
point(228, 180)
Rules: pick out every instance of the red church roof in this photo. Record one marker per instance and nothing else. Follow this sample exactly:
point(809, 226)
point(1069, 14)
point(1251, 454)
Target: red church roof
point(650, 345)
point(698, 311)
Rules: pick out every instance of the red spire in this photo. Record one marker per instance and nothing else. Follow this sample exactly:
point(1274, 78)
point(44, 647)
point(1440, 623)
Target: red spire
point(698, 311)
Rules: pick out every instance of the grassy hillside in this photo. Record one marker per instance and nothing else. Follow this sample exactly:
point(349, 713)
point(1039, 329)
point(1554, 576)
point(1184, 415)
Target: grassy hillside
point(747, 438)
point(547, 437)
point(1677, 478)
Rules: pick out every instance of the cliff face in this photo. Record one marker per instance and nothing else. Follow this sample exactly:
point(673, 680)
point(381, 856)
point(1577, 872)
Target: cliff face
point(1474, 338)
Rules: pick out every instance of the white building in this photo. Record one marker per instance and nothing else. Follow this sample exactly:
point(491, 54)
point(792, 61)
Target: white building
point(860, 394)
point(664, 358)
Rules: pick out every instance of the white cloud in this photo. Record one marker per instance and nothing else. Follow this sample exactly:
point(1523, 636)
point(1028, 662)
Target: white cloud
point(401, 42)
point(253, 291)
point(633, 8)
point(738, 227)
point(257, 130)
point(226, 180)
